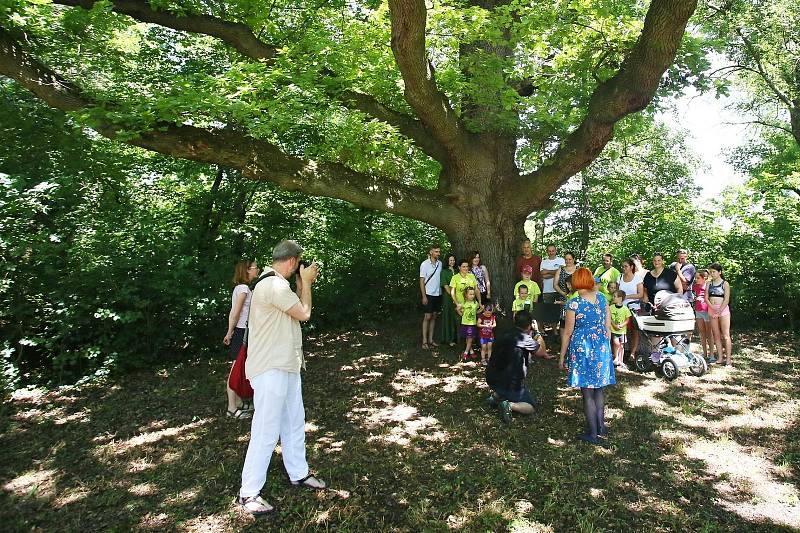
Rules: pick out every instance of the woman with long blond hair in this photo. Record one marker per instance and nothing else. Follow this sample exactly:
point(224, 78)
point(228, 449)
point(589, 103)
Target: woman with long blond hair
point(243, 273)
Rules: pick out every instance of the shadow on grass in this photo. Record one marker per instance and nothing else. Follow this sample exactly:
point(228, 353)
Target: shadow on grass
point(403, 439)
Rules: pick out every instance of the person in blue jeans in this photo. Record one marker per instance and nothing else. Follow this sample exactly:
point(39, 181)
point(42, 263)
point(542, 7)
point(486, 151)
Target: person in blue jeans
point(508, 367)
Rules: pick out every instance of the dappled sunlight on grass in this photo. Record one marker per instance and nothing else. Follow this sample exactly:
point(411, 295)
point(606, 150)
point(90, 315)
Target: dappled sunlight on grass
point(748, 484)
point(731, 421)
point(404, 441)
point(120, 448)
point(328, 443)
point(205, 524)
point(142, 489)
point(401, 423)
point(33, 483)
point(409, 382)
point(70, 498)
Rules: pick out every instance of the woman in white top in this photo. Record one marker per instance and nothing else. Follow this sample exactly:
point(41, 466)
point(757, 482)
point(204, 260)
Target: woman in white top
point(243, 274)
point(631, 282)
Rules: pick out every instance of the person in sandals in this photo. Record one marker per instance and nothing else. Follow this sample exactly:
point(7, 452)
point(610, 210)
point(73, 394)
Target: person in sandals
point(274, 361)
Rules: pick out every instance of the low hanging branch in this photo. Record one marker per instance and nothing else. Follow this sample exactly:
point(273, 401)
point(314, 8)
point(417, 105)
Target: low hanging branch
point(421, 91)
point(470, 162)
point(408, 126)
point(255, 158)
point(239, 36)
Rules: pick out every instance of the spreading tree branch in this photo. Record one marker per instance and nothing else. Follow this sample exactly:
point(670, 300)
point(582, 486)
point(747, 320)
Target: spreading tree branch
point(630, 90)
point(761, 71)
point(430, 105)
point(239, 36)
point(256, 158)
point(408, 126)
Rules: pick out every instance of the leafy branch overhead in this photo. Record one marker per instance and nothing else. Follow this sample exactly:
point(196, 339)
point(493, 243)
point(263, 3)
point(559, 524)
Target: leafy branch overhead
point(497, 99)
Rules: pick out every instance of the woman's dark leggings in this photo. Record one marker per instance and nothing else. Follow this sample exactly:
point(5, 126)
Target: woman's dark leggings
point(594, 409)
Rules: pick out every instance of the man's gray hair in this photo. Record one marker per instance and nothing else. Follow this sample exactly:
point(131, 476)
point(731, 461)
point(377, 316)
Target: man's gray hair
point(286, 250)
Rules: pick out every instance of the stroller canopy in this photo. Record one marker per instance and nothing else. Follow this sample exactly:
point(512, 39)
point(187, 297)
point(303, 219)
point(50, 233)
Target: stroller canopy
point(671, 306)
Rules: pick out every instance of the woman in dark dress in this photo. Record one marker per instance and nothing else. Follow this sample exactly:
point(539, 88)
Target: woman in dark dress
point(449, 320)
point(659, 279)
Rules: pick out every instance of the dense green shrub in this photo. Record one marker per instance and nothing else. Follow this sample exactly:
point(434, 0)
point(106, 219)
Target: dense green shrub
point(114, 258)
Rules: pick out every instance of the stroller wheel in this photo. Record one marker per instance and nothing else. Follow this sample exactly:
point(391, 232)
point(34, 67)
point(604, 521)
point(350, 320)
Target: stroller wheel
point(669, 369)
point(643, 363)
point(698, 366)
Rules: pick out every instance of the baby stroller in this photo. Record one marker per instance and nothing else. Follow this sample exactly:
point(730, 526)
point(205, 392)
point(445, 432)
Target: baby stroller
point(669, 332)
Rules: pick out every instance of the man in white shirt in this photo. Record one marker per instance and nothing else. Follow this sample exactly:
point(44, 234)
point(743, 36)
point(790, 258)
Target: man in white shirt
point(274, 361)
point(430, 272)
point(549, 269)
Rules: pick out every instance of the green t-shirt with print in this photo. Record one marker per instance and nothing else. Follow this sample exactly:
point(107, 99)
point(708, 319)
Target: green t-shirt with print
point(619, 315)
point(533, 289)
point(469, 313)
point(520, 304)
point(460, 283)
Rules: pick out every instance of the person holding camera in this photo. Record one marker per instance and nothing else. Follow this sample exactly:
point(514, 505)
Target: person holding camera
point(274, 361)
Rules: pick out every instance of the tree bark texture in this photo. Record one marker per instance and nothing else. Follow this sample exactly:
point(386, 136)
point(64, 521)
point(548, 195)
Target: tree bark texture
point(498, 238)
point(481, 200)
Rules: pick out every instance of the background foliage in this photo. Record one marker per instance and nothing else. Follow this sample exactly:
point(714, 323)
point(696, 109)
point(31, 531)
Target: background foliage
point(114, 257)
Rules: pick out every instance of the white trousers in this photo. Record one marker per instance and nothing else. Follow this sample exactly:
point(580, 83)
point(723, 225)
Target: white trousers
point(278, 403)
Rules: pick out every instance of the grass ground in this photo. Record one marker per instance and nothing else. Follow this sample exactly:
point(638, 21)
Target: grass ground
point(404, 442)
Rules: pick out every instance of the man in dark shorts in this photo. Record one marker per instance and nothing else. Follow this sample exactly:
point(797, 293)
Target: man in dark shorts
point(430, 287)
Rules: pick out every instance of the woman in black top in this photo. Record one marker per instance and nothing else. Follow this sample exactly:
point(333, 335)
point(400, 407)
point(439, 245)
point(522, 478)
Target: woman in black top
point(660, 279)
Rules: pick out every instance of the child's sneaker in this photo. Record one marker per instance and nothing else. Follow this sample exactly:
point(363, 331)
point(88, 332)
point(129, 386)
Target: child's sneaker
point(505, 411)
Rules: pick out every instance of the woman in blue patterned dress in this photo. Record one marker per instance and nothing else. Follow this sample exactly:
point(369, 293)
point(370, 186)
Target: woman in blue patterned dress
point(586, 340)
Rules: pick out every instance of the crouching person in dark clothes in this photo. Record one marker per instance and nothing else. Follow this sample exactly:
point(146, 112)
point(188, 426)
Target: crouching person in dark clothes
point(508, 366)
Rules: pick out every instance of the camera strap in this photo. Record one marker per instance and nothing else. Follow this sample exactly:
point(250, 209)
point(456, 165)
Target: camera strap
point(247, 327)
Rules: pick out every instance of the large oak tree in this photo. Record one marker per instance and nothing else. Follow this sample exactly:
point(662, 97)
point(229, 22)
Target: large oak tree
point(466, 115)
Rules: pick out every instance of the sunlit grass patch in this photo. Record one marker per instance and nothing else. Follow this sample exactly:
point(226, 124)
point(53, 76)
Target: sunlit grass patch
point(406, 444)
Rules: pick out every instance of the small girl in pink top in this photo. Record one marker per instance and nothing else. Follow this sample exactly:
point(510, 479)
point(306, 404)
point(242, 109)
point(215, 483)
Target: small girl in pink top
point(702, 320)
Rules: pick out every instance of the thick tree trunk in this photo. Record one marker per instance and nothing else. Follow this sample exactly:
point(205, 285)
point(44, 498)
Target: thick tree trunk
point(498, 238)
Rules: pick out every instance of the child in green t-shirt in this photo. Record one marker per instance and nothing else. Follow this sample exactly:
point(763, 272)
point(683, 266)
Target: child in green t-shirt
point(523, 302)
point(469, 319)
point(533, 288)
point(619, 326)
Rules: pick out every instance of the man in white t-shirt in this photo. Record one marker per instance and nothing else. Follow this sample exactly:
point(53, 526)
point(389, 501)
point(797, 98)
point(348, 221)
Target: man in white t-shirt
point(430, 272)
point(549, 269)
point(274, 361)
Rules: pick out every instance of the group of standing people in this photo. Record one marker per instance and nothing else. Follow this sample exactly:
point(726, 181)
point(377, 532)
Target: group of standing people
point(597, 316)
point(267, 318)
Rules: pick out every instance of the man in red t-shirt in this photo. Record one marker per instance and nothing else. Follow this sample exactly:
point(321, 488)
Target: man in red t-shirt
point(534, 261)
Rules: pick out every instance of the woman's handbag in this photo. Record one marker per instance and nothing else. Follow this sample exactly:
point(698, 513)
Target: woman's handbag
point(237, 380)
